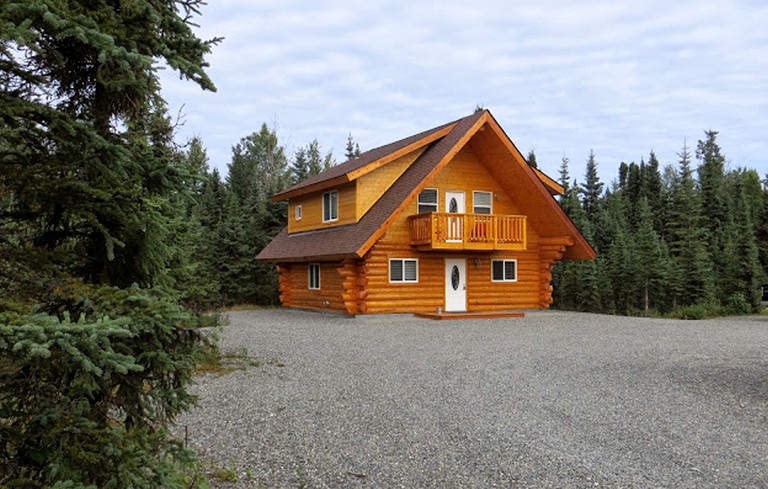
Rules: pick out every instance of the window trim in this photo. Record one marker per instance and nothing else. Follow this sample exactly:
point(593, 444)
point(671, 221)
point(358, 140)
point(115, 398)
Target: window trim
point(436, 204)
point(474, 201)
point(330, 213)
point(402, 261)
point(504, 272)
point(297, 212)
point(310, 267)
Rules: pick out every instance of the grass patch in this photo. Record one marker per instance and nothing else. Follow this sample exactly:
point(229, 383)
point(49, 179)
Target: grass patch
point(218, 363)
point(243, 307)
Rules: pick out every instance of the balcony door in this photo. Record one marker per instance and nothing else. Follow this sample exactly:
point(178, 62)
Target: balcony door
point(455, 203)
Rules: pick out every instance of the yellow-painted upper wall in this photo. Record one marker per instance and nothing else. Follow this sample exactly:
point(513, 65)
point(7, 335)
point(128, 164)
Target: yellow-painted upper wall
point(355, 198)
point(312, 210)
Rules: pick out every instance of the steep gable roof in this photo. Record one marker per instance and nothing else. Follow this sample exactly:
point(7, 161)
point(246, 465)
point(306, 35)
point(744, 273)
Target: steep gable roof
point(444, 142)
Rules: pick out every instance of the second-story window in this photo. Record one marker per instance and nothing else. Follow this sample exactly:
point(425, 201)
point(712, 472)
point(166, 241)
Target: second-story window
point(331, 206)
point(298, 212)
point(481, 202)
point(428, 200)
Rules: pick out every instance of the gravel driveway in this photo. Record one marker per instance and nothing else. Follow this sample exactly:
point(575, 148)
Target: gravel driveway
point(554, 399)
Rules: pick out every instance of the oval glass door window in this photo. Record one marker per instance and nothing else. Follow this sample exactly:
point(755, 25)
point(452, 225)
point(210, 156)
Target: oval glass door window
point(453, 206)
point(455, 278)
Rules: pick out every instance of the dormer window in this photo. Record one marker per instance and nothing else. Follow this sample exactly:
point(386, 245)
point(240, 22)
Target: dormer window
point(297, 212)
point(331, 206)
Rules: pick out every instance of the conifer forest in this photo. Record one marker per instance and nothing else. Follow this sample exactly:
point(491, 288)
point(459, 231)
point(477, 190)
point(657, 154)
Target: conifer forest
point(115, 238)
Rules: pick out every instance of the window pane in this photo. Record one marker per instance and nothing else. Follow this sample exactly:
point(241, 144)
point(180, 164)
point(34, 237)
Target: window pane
point(509, 270)
point(483, 198)
point(314, 276)
point(428, 196)
point(334, 205)
point(481, 202)
point(409, 273)
point(330, 206)
point(498, 270)
point(396, 270)
point(428, 200)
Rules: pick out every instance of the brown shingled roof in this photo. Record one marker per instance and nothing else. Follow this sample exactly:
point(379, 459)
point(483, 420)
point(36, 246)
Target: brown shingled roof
point(353, 240)
point(341, 173)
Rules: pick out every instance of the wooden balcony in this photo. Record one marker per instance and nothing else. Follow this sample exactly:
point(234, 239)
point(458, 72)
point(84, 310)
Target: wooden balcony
point(448, 231)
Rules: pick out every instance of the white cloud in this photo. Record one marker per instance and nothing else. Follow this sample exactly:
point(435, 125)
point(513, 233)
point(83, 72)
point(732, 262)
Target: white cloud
point(620, 79)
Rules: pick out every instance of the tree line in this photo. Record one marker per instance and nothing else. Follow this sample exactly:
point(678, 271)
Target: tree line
point(689, 239)
point(232, 219)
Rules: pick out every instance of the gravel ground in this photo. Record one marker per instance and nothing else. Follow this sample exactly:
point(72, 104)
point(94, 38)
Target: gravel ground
point(550, 400)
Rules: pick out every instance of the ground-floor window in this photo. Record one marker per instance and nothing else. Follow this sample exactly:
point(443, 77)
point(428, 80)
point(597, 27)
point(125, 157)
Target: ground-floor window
point(403, 270)
point(314, 276)
point(504, 270)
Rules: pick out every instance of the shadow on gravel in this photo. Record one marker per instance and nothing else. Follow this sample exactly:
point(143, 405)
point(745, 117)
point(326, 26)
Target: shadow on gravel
point(742, 382)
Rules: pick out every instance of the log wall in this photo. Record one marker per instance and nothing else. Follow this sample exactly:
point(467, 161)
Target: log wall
point(360, 286)
point(295, 291)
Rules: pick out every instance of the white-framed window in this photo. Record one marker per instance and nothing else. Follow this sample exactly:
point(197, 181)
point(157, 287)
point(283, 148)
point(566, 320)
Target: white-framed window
point(504, 270)
point(314, 276)
point(428, 200)
point(482, 203)
point(297, 212)
point(403, 270)
point(331, 206)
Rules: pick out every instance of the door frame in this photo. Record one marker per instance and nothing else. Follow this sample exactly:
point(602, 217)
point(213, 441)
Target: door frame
point(454, 297)
point(455, 224)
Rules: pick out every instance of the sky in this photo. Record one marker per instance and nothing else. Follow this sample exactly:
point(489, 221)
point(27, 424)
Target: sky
point(621, 79)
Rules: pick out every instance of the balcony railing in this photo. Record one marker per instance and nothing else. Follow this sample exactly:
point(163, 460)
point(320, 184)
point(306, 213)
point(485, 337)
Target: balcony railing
point(446, 231)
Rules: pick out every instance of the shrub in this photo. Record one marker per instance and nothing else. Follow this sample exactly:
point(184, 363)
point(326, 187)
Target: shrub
point(738, 304)
point(698, 311)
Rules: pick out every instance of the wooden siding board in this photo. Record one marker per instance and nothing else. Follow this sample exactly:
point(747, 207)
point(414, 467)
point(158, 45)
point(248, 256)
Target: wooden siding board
point(312, 210)
point(298, 294)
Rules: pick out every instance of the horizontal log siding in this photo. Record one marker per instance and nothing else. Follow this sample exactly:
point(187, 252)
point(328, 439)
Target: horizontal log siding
point(466, 173)
point(295, 291)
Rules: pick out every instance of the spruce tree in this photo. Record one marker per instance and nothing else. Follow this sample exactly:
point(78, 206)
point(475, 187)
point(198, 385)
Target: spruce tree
point(85, 164)
point(592, 189)
point(353, 149)
point(688, 238)
point(531, 159)
point(714, 199)
point(651, 272)
point(300, 166)
point(259, 169)
point(91, 190)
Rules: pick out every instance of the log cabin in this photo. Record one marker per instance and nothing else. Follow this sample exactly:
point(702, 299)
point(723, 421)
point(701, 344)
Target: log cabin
point(452, 219)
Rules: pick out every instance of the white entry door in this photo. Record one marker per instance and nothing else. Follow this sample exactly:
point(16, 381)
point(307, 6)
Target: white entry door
point(455, 204)
point(455, 284)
